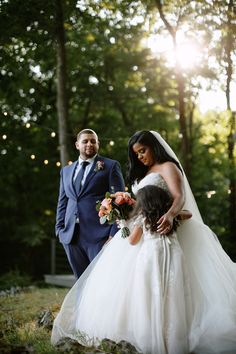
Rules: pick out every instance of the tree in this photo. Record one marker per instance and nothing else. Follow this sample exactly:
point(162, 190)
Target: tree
point(62, 102)
point(88, 60)
point(229, 49)
point(180, 84)
point(220, 18)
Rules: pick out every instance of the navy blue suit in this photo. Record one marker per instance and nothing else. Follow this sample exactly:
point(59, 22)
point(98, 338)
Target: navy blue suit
point(82, 241)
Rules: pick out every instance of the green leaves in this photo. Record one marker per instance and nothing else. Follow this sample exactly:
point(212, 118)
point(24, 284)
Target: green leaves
point(116, 86)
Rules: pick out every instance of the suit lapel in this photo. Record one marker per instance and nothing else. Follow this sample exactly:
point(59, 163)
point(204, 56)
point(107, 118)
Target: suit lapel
point(71, 175)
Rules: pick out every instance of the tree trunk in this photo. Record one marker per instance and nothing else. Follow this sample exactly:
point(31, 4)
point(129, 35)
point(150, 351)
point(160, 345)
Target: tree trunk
point(62, 104)
point(86, 113)
point(185, 153)
point(182, 121)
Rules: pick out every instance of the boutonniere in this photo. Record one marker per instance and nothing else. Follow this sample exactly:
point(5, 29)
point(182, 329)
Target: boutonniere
point(99, 166)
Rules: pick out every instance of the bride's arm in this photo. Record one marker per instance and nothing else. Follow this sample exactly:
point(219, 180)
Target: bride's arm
point(135, 235)
point(174, 180)
point(184, 214)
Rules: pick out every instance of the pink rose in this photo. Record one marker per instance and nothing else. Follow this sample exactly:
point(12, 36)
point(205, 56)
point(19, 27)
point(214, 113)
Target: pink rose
point(123, 198)
point(131, 201)
point(120, 200)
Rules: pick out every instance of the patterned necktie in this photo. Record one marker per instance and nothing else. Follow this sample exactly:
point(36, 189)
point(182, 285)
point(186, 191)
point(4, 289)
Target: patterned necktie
point(80, 176)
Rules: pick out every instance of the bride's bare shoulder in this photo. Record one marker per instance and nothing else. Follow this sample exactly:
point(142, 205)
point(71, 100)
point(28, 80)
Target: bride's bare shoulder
point(169, 168)
point(168, 165)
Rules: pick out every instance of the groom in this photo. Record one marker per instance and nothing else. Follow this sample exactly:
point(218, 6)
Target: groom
point(82, 184)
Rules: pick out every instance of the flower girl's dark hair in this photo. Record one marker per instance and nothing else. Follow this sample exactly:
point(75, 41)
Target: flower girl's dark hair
point(153, 202)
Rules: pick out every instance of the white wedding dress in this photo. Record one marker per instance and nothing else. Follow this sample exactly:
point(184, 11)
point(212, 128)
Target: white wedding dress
point(156, 295)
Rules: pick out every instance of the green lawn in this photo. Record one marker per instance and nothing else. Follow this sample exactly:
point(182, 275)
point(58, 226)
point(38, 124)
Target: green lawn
point(19, 315)
point(21, 334)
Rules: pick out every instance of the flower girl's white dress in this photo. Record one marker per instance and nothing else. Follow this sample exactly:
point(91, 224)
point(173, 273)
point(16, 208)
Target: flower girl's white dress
point(154, 295)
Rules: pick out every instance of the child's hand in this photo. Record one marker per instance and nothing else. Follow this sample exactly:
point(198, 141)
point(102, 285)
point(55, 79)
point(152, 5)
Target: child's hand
point(121, 223)
point(184, 215)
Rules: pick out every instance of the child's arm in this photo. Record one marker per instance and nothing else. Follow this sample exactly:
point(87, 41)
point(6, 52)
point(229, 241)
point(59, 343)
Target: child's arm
point(135, 235)
point(184, 215)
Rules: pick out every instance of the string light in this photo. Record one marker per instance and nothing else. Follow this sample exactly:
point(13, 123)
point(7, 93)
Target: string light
point(53, 134)
point(210, 193)
point(48, 212)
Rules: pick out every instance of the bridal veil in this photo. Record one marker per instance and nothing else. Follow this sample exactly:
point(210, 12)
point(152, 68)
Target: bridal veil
point(212, 278)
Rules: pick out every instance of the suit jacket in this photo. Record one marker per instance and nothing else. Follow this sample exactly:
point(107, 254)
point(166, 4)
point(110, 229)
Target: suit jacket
point(70, 206)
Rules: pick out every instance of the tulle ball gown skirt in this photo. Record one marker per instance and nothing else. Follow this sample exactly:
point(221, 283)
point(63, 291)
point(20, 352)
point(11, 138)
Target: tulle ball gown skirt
point(155, 297)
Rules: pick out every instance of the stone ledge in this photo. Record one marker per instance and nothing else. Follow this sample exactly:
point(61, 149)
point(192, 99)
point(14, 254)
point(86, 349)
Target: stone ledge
point(60, 280)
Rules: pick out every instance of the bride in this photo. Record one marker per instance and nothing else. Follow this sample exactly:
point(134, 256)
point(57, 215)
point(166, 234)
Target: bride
point(199, 308)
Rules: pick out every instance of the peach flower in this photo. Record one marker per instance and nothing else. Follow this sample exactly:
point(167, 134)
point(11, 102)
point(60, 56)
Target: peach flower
point(120, 200)
point(106, 203)
point(102, 211)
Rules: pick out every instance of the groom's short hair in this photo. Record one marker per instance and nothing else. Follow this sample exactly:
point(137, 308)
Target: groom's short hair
point(86, 131)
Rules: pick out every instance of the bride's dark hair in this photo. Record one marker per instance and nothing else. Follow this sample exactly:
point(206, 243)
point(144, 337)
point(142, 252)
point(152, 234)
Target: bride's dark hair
point(137, 170)
point(152, 202)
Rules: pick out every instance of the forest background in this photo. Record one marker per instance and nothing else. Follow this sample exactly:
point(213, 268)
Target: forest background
point(115, 67)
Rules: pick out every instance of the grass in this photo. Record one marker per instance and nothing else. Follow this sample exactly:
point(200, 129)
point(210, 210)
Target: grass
point(19, 315)
point(21, 334)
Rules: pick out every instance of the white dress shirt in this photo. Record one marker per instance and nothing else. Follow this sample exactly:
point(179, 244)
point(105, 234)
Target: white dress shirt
point(87, 168)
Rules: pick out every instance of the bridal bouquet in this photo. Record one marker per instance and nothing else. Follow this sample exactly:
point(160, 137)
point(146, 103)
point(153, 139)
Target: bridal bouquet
point(116, 208)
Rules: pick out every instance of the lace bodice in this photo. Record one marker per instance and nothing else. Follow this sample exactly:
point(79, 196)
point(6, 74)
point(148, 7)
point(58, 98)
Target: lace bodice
point(147, 234)
point(152, 178)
